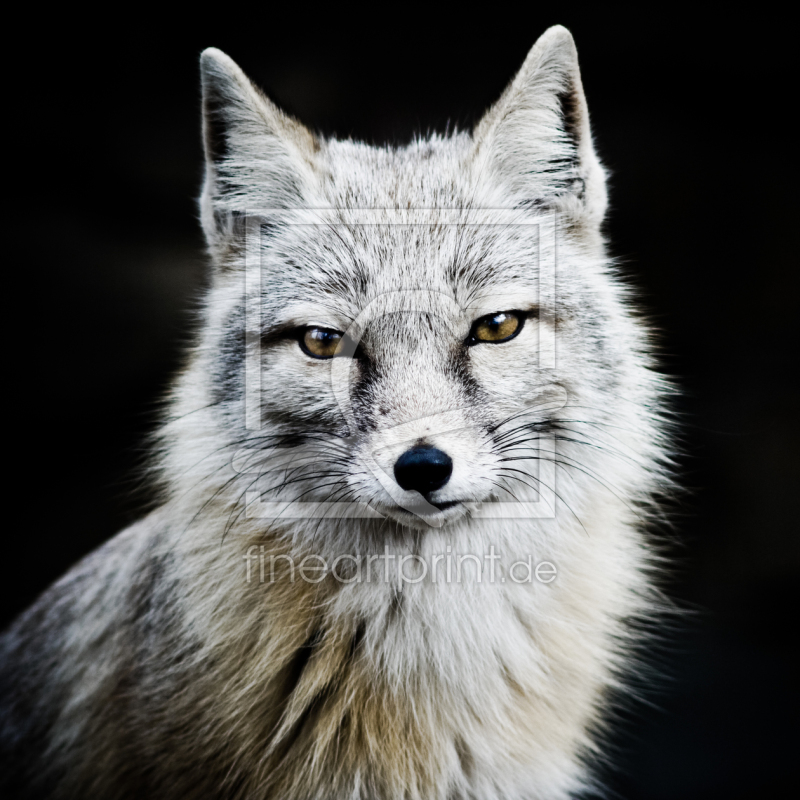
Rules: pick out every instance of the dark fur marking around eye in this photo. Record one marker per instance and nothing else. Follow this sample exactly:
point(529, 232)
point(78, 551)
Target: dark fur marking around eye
point(462, 371)
point(362, 396)
point(228, 383)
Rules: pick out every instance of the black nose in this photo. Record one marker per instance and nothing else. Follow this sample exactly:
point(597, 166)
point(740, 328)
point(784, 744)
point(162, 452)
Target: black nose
point(425, 469)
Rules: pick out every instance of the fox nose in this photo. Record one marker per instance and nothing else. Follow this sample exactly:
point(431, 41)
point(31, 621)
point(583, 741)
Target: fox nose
point(425, 469)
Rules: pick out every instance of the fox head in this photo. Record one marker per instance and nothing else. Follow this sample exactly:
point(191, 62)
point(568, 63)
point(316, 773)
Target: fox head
point(413, 333)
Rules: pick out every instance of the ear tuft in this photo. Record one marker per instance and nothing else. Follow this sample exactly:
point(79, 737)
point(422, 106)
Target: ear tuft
point(537, 137)
point(231, 104)
point(257, 158)
point(215, 69)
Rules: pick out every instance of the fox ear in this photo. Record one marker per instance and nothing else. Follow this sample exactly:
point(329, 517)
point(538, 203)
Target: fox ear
point(537, 136)
point(256, 156)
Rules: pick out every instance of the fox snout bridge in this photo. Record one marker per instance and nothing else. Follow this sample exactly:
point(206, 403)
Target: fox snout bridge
point(424, 469)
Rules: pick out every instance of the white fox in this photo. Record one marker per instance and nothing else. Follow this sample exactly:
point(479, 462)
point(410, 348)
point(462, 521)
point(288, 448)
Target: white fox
point(406, 472)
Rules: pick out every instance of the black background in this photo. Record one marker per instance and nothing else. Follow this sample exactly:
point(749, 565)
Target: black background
point(693, 113)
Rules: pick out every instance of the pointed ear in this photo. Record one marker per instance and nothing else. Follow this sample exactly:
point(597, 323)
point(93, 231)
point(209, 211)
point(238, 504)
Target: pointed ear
point(256, 156)
point(537, 138)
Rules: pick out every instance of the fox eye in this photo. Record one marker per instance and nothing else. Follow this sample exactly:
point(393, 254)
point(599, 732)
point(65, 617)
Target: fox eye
point(496, 328)
point(319, 342)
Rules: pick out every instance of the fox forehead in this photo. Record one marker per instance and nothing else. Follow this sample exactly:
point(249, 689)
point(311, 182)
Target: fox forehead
point(427, 173)
point(337, 268)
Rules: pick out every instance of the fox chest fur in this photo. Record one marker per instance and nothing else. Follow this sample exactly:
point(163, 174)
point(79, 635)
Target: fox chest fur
point(418, 381)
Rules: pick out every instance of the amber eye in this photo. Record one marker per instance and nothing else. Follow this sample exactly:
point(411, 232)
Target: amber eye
point(319, 342)
point(494, 328)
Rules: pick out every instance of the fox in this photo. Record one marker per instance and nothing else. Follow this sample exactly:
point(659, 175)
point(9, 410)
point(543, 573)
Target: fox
point(409, 470)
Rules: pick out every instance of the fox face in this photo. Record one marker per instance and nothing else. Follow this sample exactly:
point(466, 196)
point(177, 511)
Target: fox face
point(403, 355)
point(407, 363)
point(404, 336)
